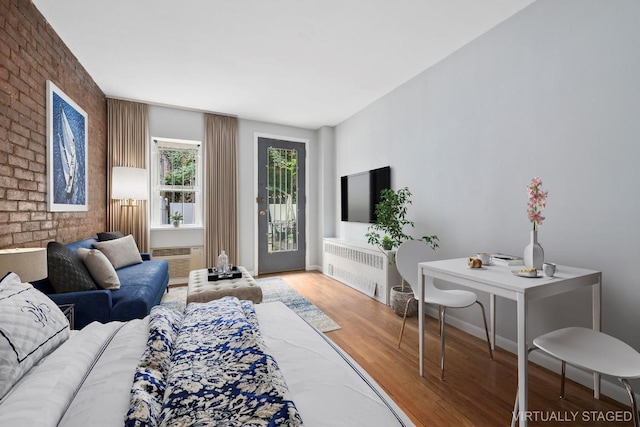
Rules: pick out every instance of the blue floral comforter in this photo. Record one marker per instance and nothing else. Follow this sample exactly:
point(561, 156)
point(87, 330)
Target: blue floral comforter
point(208, 367)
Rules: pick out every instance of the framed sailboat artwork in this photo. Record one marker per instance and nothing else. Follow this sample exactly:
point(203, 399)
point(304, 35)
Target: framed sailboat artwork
point(67, 186)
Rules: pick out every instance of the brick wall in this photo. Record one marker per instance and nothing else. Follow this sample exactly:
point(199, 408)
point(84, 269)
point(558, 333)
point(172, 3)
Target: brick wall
point(30, 54)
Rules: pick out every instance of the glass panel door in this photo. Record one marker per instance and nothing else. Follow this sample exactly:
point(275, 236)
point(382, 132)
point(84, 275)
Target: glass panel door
point(281, 210)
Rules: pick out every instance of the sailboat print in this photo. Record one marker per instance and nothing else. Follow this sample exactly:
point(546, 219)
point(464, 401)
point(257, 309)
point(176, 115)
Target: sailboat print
point(67, 143)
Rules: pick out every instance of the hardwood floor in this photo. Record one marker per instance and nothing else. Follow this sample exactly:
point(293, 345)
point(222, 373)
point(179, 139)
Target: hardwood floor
point(476, 391)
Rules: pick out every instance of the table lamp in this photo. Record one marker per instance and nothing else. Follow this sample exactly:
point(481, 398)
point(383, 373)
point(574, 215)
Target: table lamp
point(28, 263)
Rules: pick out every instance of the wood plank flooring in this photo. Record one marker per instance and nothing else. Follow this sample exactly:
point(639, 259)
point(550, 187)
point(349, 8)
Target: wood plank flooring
point(476, 391)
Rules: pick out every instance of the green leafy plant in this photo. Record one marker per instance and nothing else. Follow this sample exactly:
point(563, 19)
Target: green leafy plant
point(387, 243)
point(180, 172)
point(391, 219)
point(177, 216)
point(282, 175)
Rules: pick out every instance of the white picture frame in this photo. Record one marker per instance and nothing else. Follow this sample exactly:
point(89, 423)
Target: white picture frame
point(67, 153)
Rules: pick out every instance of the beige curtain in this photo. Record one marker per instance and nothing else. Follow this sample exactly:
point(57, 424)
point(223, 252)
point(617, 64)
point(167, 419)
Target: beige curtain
point(127, 140)
point(221, 183)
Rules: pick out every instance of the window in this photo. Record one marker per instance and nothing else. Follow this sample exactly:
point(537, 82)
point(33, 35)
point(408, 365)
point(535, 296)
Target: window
point(176, 179)
point(282, 188)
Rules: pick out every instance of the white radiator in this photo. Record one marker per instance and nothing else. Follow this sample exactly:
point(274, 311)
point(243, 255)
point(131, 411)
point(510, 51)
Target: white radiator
point(362, 267)
point(181, 261)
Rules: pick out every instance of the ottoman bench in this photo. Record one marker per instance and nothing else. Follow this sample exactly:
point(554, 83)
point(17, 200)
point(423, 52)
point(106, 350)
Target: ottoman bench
point(202, 290)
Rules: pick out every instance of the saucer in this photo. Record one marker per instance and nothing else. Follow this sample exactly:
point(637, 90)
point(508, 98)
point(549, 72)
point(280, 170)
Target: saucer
point(517, 273)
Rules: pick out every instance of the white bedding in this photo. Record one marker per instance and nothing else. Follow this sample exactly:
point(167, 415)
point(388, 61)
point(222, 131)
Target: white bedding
point(52, 387)
point(74, 387)
point(320, 376)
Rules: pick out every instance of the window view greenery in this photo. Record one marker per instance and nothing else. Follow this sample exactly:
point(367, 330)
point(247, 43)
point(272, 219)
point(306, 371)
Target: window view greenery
point(178, 186)
point(282, 186)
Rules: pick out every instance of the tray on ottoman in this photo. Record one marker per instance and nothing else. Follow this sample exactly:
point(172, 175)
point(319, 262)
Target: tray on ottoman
point(214, 274)
point(200, 289)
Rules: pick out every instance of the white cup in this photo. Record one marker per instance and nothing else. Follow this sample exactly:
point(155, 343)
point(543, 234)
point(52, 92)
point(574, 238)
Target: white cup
point(484, 257)
point(549, 269)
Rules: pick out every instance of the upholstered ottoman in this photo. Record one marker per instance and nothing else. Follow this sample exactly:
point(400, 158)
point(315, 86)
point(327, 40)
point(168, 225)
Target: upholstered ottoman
point(202, 290)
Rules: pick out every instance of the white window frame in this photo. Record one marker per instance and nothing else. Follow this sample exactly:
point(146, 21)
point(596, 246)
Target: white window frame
point(156, 185)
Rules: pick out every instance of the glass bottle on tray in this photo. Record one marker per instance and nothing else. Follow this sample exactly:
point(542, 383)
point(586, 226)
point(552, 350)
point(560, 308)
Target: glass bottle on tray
point(223, 263)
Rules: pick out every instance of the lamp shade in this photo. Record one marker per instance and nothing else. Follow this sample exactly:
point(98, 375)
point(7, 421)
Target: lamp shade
point(28, 263)
point(129, 183)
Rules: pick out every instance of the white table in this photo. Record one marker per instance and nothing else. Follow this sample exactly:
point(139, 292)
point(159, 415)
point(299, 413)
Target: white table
point(498, 280)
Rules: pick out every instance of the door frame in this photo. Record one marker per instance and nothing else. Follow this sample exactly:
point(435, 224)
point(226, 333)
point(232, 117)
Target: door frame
point(304, 141)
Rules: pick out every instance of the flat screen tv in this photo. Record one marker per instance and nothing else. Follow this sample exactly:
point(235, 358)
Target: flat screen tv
point(360, 193)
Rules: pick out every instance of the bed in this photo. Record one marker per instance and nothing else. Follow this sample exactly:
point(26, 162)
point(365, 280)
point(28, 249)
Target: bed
point(161, 370)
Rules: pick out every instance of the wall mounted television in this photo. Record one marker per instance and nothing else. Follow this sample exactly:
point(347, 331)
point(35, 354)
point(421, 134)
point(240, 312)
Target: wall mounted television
point(360, 193)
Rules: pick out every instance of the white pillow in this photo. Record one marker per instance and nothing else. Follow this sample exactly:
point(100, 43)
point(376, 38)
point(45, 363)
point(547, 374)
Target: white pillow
point(120, 252)
point(31, 326)
point(100, 268)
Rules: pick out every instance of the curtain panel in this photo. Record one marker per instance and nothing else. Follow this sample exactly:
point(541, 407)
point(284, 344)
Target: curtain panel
point(127, 140)
point(221, 183)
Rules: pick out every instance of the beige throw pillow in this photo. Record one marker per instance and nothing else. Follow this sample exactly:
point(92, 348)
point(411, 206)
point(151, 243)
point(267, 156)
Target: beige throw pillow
point(100, 268)
point(120, 252)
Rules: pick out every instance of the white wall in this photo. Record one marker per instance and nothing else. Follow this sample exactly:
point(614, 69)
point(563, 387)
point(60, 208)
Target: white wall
point(552, 92)
point(176, 123)
point(327, 202)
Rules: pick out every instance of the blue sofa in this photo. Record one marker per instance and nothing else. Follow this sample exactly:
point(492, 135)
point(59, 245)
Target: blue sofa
point(141, 287)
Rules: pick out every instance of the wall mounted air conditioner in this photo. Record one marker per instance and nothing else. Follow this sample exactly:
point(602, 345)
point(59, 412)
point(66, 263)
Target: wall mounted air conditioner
point(181, 261)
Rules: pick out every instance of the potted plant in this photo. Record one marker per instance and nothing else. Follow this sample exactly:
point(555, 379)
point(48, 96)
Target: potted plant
point(176, 219)
point(388, 233)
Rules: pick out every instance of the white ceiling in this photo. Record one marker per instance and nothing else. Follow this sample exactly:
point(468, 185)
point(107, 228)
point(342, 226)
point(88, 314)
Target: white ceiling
point(302, 63)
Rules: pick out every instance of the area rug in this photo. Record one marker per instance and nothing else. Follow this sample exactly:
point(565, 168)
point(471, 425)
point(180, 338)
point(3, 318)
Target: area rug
point(276, 289)
point(273, 289)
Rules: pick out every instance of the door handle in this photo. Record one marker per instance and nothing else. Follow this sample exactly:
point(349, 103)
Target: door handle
point(262, 213)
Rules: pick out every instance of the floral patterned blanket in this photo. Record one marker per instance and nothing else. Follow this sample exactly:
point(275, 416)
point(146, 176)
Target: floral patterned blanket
point(208, 367)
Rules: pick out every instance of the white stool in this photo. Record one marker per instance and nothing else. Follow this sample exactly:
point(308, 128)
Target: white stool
point(592, 350)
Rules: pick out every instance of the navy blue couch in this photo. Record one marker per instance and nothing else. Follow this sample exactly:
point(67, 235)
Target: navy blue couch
point(141, 287)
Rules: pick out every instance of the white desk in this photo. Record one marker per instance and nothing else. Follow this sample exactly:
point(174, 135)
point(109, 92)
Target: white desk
point(498, 280)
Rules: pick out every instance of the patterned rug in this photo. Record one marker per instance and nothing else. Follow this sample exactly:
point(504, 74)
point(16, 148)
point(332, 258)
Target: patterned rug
point(273, 289)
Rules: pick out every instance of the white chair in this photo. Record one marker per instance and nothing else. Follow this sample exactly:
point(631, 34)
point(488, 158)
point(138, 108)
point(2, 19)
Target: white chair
point(592, 350)
point(409, 254)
